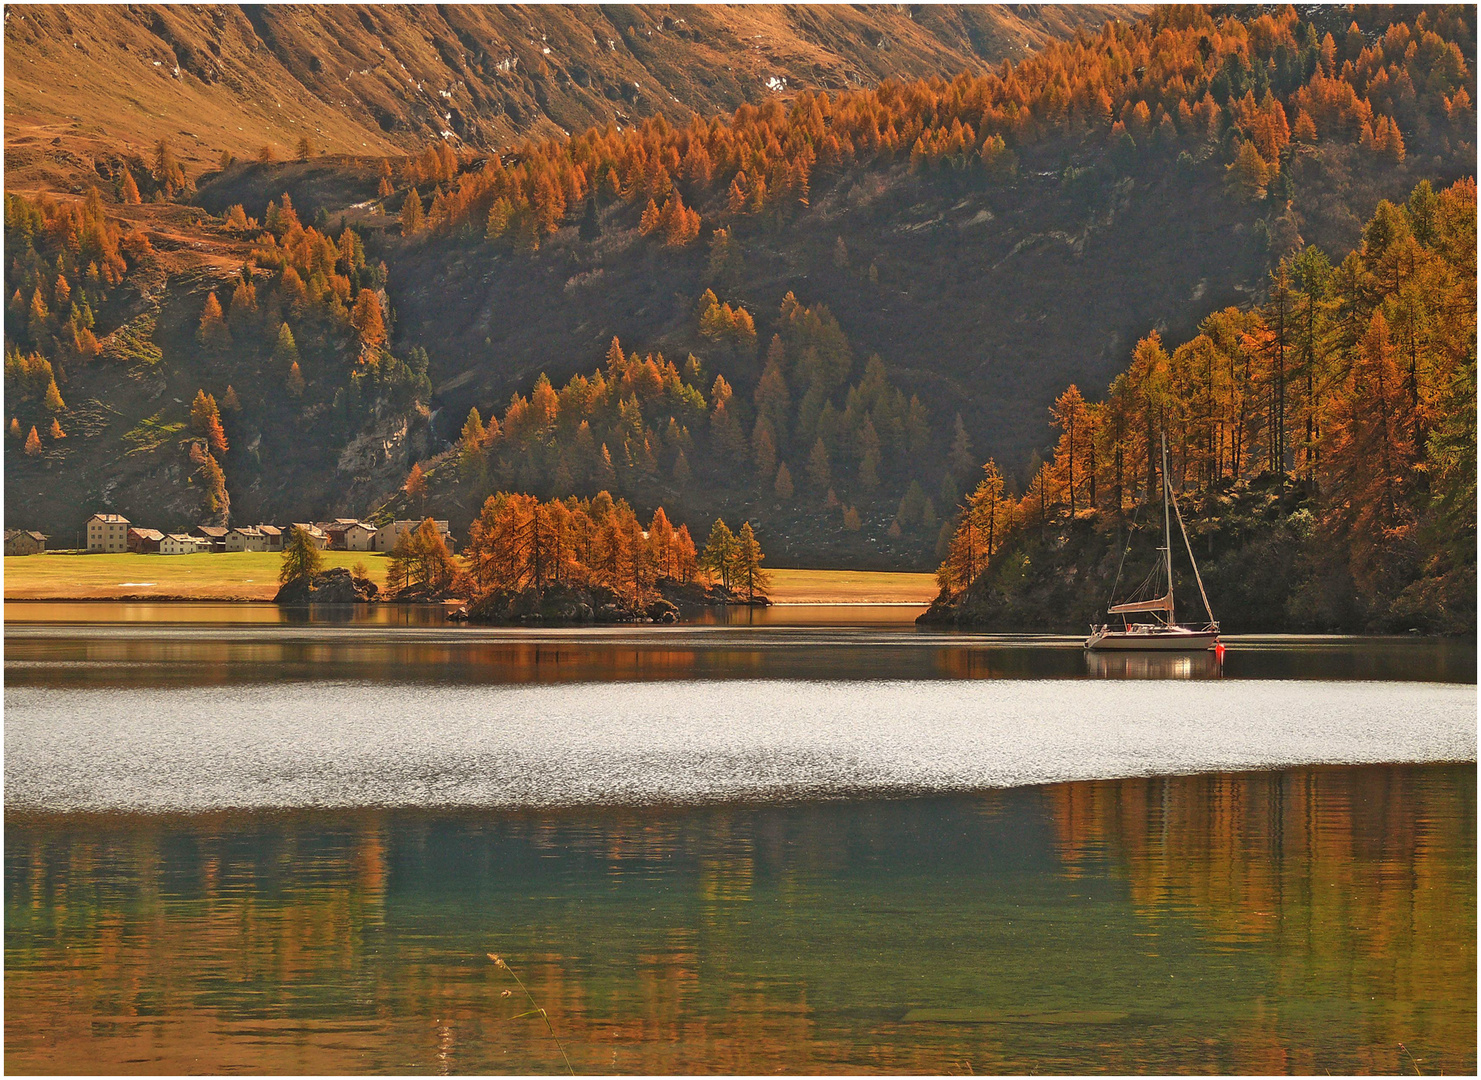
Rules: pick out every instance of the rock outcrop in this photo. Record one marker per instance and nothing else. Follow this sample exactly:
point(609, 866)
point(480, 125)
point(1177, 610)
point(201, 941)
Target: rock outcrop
point(559, 605)
point(334, 586)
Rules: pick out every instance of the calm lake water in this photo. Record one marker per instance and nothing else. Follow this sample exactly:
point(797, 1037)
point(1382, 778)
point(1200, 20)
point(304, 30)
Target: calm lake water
point(143, 644)
point(837, 845)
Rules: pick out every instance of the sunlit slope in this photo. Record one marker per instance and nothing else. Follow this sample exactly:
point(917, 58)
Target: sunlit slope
point(369, 79)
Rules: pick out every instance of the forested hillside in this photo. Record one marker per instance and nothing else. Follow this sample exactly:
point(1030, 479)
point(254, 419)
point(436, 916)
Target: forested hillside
point(1323, 442)
point(820, 312)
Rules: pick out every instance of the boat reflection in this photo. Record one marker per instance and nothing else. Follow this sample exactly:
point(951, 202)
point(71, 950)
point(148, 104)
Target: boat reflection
point(172, 654)
point(1206, 664)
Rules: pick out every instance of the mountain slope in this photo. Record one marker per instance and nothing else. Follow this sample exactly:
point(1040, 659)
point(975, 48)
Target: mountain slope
point(991, 238)
point(376, 80)
point(984, 302)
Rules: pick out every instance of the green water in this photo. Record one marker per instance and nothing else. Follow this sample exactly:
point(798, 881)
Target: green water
point(1302, 921)
point(1307, 920)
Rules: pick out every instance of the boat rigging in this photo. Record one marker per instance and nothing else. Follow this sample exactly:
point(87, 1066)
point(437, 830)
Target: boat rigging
point(1163, 631)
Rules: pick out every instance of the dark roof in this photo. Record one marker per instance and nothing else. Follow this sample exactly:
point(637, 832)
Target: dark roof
point(216, 532)
point(148, 534)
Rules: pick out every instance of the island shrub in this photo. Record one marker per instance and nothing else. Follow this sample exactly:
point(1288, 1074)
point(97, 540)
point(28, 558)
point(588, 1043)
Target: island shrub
point(301, 558)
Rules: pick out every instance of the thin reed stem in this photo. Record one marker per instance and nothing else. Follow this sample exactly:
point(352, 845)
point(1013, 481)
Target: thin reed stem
point(535, 1008)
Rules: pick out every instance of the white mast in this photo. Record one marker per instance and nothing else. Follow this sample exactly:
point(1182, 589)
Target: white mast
point(1167, 529)
point(1194, 562)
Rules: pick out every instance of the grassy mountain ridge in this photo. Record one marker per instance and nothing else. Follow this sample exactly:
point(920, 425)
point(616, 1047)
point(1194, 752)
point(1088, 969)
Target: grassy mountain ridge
point(86, 81)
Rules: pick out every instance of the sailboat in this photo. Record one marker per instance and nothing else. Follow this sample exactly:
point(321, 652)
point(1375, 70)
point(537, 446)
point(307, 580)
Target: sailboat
point(1163, 631)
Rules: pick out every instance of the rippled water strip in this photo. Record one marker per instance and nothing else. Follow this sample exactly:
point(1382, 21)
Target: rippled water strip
point(357, 744)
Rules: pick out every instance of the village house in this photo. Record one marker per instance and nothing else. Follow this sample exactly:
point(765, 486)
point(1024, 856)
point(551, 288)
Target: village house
point(24, 542)
point(246, 538)
point(359, 536)
point(348, 534)
point(273, 535)
point(316, 534)
point(330, 526)
point(183, 544)
point(107, 532)
point(144, 541)
point(388, 536)
point(215, 535)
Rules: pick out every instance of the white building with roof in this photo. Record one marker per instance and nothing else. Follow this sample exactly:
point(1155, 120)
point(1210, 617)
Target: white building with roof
point(107, 532)
point(184, 544)
point(246, 538)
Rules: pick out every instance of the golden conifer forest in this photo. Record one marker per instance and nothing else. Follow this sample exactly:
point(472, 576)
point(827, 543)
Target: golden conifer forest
point(822, 311)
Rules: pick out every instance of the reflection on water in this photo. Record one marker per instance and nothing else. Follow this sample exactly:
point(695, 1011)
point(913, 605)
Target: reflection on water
point(208, 612)
point(163, 653)
point(1300, 921)
point(1154, 665)
point(882, 615)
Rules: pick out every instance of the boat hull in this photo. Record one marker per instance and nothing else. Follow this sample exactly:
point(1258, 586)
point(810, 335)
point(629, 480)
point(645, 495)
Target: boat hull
point(1157, 641)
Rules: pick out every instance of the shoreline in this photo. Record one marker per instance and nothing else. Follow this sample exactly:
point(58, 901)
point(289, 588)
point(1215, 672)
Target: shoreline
point(1247, 637)
point(175, 598)
point(170, 598)
point(252, 578)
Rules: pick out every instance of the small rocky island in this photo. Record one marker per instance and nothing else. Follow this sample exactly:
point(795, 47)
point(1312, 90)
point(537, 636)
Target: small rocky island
point(574, 605)
point(337, 585)
point(489, 585)
point(554, 605)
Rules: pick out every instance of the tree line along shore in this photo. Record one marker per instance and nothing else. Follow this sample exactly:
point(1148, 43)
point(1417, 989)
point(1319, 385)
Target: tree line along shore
point(1323, 444)
point(568, 560)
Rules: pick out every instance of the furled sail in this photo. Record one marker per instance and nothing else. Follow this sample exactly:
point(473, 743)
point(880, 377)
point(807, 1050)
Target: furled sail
point(1161, 603)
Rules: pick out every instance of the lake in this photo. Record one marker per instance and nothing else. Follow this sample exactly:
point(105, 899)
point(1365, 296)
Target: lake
point(817, 844)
